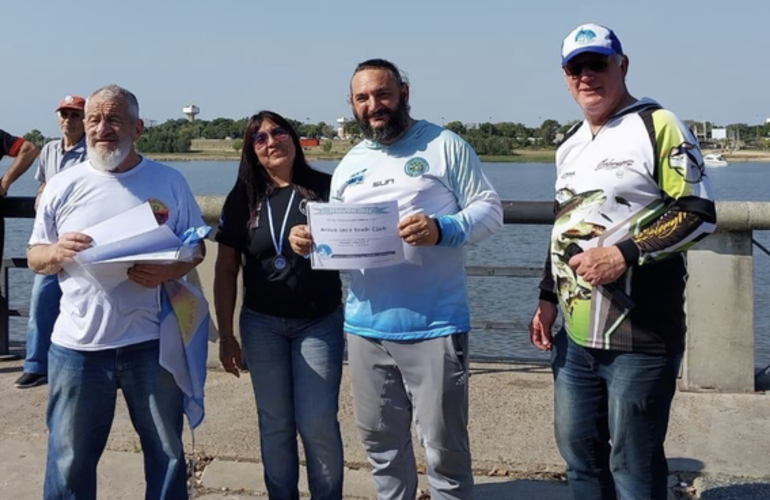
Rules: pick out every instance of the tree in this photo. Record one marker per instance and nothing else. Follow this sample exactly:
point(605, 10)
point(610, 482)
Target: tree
point(351, 127)
point(36, 137)
point(238, 145)
point(456, 126)
point(547, 131)
point(326, 146)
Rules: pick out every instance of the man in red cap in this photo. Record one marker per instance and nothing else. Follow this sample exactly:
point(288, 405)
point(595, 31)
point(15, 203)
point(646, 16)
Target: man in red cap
point(56, 156)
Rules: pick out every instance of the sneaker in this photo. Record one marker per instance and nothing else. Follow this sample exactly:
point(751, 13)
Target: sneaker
point(31, 380)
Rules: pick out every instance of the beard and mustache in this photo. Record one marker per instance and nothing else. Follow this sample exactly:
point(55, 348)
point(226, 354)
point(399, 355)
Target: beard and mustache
point(396, 123)
point(106, 160)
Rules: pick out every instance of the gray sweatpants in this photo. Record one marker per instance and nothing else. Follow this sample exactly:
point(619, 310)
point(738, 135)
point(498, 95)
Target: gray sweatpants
point(427, 379)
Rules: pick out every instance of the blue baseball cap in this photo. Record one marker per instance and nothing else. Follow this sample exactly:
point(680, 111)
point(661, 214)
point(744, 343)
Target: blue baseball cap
point(590, 38)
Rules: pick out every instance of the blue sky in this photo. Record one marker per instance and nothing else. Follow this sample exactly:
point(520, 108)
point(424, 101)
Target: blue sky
point(472, 60)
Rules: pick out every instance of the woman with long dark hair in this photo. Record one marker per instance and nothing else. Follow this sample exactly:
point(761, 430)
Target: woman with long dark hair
point(291, 321)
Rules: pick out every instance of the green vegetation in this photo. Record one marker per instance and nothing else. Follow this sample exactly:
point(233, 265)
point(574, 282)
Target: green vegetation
point(37, 138)
point(502, 141)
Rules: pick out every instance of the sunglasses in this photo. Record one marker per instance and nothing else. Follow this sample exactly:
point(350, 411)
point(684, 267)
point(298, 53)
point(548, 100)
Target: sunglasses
point(278, 133)
point(70, 114)
point(597, 65)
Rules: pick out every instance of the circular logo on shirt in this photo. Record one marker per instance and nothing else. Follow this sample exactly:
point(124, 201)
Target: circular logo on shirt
point(687, 161)
point(303, 207)
point(159, 209)
point(416, 167)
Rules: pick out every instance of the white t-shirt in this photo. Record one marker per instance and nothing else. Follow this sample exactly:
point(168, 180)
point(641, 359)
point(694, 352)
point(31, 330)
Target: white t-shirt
point(81, 196)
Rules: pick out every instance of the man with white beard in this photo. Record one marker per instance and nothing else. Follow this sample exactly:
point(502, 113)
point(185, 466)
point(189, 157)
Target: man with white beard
point(105, 340)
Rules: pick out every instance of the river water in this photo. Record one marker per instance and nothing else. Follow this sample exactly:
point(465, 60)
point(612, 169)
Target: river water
point(492, 299)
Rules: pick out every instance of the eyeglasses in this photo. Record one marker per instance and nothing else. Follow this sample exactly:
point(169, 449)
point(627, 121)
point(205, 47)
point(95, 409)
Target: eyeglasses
point(70, 114)
point(278, 133)
point(597, 65)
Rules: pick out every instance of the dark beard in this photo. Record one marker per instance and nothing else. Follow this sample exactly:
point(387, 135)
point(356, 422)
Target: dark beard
point(396, 124)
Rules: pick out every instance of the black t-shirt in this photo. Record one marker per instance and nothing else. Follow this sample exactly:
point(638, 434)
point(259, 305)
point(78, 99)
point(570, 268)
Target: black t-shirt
point(9, 145)
point(297, 291)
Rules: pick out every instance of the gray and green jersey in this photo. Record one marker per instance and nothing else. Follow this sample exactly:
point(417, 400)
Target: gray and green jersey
point(638, 183)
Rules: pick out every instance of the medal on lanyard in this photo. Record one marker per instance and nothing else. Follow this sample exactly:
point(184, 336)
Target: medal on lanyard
point(279, 261)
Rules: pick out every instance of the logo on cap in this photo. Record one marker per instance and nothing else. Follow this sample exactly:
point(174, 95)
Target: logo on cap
point(585, 36)
point(68, 99)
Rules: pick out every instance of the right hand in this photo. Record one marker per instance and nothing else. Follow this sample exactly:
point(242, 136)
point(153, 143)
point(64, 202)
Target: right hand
point(300, 240)
point(541, 325)
point(230, 355)
point(68, 246)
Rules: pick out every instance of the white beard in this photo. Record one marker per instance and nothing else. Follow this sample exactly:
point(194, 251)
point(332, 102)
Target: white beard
point(108, 161)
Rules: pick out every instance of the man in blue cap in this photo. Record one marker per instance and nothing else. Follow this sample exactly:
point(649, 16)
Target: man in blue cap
point(631, 196)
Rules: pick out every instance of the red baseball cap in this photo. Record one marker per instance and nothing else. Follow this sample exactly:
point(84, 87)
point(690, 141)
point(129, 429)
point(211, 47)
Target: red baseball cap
point(72, 102)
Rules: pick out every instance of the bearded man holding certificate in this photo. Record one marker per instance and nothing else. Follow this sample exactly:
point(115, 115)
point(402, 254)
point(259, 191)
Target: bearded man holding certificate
point(408, 323)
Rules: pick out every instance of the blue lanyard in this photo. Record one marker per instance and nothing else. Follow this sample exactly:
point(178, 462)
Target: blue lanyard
point(279, 244)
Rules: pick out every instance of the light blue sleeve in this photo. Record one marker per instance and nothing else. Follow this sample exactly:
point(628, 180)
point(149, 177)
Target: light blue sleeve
point(481, 213)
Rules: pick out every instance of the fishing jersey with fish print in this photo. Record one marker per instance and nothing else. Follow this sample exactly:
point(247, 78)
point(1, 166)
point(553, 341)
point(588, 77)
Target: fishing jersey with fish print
point(434, 172)
point(638, 183)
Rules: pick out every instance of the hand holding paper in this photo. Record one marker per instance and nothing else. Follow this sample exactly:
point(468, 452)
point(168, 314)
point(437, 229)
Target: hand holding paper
point(354, 236)
point(131, 239)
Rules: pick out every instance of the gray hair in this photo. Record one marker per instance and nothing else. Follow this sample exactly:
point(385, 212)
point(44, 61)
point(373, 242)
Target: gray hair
point(113, 91)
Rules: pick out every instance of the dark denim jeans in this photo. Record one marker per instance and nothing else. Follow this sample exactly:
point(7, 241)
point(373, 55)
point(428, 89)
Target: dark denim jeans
point(296, 369)
point(83, 387)
point(612, 412)
point(43, 311)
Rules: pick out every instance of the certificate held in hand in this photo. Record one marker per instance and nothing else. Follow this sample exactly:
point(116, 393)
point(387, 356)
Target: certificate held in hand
point(354, 235)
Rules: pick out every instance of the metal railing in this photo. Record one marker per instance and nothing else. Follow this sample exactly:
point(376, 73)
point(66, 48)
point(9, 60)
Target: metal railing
point(729, 252)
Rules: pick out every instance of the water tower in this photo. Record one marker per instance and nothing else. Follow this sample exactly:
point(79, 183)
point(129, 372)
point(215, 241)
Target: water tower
point(341, 127)
point(191, 111)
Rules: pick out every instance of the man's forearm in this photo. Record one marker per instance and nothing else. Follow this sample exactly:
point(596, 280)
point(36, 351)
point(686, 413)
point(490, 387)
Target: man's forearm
point(40, 258)
point(21, 164)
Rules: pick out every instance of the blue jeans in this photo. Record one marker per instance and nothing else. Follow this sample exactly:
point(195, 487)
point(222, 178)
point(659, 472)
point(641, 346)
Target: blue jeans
point(83, 387)
point(612, 413)
point(296, 369)
point(43, 311)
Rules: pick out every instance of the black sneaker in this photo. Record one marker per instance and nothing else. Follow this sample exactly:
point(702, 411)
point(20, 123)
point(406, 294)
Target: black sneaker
point(31, 380)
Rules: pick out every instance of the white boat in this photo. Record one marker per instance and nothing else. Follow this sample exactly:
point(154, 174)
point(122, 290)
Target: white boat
point(715, 160)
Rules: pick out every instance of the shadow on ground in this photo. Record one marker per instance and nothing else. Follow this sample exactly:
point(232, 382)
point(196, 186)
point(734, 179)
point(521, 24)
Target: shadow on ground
point(754, 491)
point(540, 490)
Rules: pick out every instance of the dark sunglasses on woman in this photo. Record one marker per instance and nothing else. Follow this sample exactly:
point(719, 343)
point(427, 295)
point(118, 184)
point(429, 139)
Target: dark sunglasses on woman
point(278, 133)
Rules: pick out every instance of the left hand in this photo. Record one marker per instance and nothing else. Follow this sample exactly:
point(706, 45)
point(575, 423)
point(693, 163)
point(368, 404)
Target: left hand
point(418, 230)
point(148, 275)
point(599, 266)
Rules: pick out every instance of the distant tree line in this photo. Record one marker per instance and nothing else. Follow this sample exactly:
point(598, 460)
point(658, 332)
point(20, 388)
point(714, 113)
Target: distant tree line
point(175, 136)
point(502, 138)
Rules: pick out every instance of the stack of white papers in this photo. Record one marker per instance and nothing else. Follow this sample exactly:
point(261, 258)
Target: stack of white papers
point(122, 241)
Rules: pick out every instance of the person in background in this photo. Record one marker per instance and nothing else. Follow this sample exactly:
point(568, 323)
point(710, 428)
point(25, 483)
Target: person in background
point(291, 321)
point(24, 153)
point(55, 156)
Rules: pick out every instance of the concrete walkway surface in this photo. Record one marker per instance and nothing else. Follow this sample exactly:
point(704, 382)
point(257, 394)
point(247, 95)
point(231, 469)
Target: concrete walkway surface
point(718, 444)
